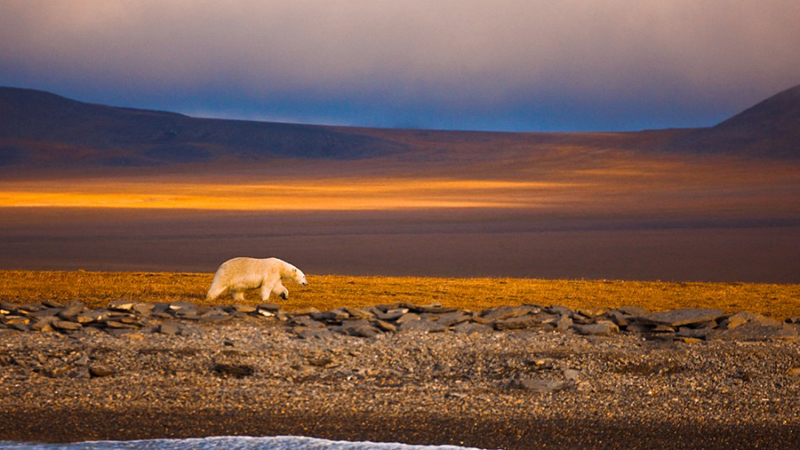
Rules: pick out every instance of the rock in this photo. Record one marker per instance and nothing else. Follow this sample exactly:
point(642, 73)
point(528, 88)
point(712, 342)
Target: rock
point(794, 371)
point(121, 305)
point(100, 370)
point(178, 306)
point(563, 323)
point(307, 322)
point(214, 315)
point(233, 370)
point(143, 309)
point(516, 323)
point(422, 325)
point(361, 330)
point(392, 314)
point(558, 309)
point(539, 386)
point(452, 318)
point(330, 316)
point(601, 328)
point(270, 307)
point(64, 325)
point(46, 312)
point(572, 374)
point(681, 317)
point(52, 304)
point(507, 312)
point(405, 318)
point(759, 331)
point(169, 328)
point(72, 311)
point(358, 313)
point(695, 333)
point(245, 309)
point(385, 326)
point(44, 324)
point(469, 328)
point(634, 311)
point(309, 333)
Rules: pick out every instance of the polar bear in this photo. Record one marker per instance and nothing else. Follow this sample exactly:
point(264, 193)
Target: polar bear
point(240, 274)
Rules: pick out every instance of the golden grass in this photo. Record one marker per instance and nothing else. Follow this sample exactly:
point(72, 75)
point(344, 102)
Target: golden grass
point(331, 291)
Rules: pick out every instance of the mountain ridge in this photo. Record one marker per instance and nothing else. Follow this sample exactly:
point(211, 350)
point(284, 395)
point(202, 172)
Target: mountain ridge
point(39, 128)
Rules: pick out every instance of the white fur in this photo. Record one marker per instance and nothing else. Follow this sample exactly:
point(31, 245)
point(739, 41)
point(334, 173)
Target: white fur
point(241, 274)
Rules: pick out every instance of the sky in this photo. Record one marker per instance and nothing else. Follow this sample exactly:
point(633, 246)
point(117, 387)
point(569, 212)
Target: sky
point(504, 65)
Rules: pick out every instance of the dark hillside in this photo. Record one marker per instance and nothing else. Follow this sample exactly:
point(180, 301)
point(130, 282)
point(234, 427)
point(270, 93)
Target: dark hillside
point(39, 128)
point(769, 129)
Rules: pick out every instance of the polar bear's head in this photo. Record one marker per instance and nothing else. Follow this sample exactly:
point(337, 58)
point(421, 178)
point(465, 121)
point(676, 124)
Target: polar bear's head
point(295, 275)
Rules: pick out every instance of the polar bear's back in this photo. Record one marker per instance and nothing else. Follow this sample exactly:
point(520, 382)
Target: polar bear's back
point(246, 273)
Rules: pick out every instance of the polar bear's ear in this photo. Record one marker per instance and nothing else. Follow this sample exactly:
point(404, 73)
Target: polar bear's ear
point(294, 271)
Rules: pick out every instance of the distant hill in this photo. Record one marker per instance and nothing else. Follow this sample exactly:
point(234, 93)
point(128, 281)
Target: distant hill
point(40, 129)
point(44, 129)
point(769, 129)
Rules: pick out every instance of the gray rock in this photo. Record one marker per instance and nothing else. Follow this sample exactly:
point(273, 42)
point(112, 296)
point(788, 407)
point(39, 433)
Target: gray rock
point(214, 315)
point(385, 326)
point(361, 330)
point(64, 325)
point(538, 386)
point(312, 333)
point(307, 322)
point(409, 317)
point(44, 324)
point(572, 374)
point(469, 328)
point(46, 312)
point(696, 333)
point(759, 331)
point(233, 370)
point(563, 323)
point(392, 314)
point(516, 323)
point(72, 311)
point(143, 309)
point(359, 313)
point(121, 305)
point(558, 309)
point(100, 370)
point(169, 328)
point(270, 307)
point(601, 328)
point(422, 325)
point(507, 312)
point(452, 318)
point(681, 317)
point(245, 309)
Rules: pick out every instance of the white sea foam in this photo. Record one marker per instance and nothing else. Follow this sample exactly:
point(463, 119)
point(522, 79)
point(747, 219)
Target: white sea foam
point(227, 443)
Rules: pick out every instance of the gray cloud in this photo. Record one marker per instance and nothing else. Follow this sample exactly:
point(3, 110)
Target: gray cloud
point(514, 62)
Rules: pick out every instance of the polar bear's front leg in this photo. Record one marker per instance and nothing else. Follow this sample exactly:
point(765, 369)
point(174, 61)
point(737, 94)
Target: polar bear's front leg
point(276, 287)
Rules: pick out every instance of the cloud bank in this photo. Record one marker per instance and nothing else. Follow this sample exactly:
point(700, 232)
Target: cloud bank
point(462, 64)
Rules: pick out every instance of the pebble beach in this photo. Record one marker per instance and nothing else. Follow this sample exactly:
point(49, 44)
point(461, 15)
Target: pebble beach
point(513, 377)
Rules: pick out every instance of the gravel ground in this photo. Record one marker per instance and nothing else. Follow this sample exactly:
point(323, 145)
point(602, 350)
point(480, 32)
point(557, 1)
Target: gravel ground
point(514, 389)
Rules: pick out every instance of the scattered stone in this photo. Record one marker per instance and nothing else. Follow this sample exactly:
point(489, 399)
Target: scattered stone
point(64, 325)
point(385, 326)
point(469, 328)
point(516, 323)
point(507, 312)
point(572, 374)
point(422, 325)
point(392, 314)
point(358, 313)
point(100, 370)
point(563, 323)
point(601, 328)
point(681, 317)
point(408, 317)
point(169, 328)
point(71, 312)
point(452, 318)
point(309, 333)
point(538, 386)
point(271, 307)
point(233, 370)
point(304, 311)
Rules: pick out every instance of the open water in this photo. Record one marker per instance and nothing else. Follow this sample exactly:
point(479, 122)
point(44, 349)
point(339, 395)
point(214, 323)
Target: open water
point(226, 443)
